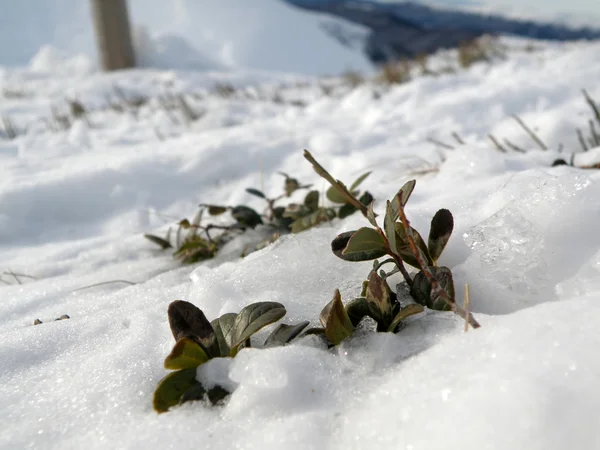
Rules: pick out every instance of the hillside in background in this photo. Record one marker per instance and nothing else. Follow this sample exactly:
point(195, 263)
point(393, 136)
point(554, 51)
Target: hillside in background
point(406, 29)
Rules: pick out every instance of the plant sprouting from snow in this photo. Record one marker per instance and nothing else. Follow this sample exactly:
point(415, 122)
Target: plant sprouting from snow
point(198, 341)
point(431, 287)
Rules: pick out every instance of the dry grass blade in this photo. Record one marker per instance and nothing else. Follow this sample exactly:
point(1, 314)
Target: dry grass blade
point(582, 140)
point(435, 285)
point(497, 144)
point(467, 305)
point(530, 132)
point(440, 143)
point(131, 283)
point(592, 104)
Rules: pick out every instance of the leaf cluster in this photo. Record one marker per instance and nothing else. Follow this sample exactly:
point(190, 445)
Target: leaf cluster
point(195, 242)
point(198, 341)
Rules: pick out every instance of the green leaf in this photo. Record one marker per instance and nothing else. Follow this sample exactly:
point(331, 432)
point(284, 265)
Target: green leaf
point(405, 312)
point(341, 241)
point(313, 219)
point(256, 192)
point(252, 318)
point(223, 326)
point(401, 198)
point(442, 225)
point(335, 320)
point(358, 181)
point(284, 334)
point(334, 195)
point(246, 216)
point(188, 321)
point(290, 186)
point(346, 210)
point(216, 210)
point(389, 228)
point(186, 354)
point(311, 201)
point(172, 387)
point(378, 298)
point(357, 309)
point(404, 249)
point(422, 292)
point(365, 244)
point(162, 243)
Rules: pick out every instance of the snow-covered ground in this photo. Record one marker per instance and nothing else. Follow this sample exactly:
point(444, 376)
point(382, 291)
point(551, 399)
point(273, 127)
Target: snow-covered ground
point(74, 204)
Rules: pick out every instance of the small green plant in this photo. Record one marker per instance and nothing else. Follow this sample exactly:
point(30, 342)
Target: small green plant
point(431, 287)
point(195, 242)
point(198, 341)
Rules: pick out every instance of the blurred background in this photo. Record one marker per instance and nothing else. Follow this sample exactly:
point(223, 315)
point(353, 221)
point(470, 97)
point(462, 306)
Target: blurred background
point(315, 37)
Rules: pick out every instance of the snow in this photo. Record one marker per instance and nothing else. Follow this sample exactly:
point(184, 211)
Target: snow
point(75, 202)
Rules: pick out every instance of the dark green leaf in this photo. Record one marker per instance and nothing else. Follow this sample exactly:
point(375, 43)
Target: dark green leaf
point(255, 192)
point(254, 317)
point(335, 320)
point(341, 241)
point(188, 321)
point(422, 292)
point(246, 216)
point(172, 387)
point(185, 224)
point(162, 243)
point(195, 249)
point(186, 354)
point(378, 298)
point(404, 249)
point(223, 326)
point(401, 198)
point(442, 225)
point(365, 244)
point(215, 210)
point(195, 393)
point(346, 210)
point(357, 309)
point(366, 199)
point(311, 201)
point(358, 181)
point(405, 312)
point(313, 219)
point(284, 334)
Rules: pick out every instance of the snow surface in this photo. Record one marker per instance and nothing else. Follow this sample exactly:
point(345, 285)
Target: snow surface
point(188, 35)
point(74, 205)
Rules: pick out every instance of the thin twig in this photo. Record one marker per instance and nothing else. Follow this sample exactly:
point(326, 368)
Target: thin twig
point(530, 132)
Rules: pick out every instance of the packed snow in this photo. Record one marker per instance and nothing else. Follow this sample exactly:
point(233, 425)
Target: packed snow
point(75, 202)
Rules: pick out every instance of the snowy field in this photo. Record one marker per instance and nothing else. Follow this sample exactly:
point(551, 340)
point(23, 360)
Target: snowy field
point(75, 201)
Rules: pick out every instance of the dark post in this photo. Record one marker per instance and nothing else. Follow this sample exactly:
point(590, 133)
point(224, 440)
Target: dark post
point(111, 24)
